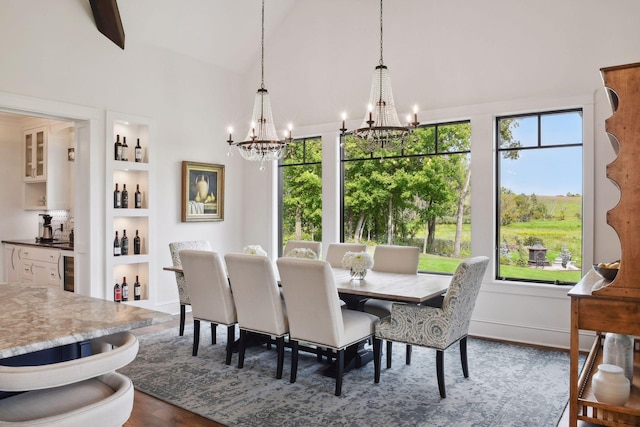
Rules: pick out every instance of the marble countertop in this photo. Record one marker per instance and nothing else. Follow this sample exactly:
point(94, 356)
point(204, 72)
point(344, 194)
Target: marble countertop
point(39, 317)
point(57, 244)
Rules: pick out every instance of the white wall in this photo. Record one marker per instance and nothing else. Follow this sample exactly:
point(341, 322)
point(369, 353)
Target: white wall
point(53, 51)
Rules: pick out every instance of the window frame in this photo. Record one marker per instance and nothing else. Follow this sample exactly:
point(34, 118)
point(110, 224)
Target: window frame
point(497, 187)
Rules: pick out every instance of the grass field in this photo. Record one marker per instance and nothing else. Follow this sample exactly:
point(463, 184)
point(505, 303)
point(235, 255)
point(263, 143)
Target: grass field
point(562, 229)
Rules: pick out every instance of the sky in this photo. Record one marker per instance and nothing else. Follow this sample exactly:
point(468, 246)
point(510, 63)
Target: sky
point(546, 172)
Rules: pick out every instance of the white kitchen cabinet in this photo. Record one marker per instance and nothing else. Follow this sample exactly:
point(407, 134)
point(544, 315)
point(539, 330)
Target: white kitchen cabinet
point(35, 154)
point(11, 264)
point(40, 266)
point(46, 168)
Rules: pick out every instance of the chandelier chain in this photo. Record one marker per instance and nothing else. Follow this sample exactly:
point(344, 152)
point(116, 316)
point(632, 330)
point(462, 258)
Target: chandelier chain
point(381, 61)
point(262, 48)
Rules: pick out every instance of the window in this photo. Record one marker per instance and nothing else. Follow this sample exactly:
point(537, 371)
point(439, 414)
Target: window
point(539, 196)
point(418, 196)
point(300, 191)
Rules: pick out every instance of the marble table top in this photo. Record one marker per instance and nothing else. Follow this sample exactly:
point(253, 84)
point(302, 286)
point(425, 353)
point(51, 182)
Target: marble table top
point(35, 318)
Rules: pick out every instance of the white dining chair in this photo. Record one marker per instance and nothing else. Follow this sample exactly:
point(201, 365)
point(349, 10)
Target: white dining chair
point(336, 251)
point(211, 298)
point(183, 293)
point(259, 306)
point(392, 259)
point(79, 392)
point(305, 244)
point(322, 323)
point(439, 327)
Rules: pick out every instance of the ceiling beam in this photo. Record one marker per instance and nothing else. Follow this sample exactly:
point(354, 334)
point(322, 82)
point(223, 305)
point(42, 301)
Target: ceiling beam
point(107, 17)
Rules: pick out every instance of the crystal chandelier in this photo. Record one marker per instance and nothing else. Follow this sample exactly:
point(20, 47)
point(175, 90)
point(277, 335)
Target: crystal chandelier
point(262, 142)
point(381, 127)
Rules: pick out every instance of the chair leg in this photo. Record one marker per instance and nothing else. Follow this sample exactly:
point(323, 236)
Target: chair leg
point(463, 357)
point(243, 337)
point(408, 357)
point(196, 337)
point(183, 314)
point(280, 350)
point(231, 336)
point(440, 372)
point(340, 372)
point(294, 361)
point(389, 349)
point(213, 333)
point(377, 359)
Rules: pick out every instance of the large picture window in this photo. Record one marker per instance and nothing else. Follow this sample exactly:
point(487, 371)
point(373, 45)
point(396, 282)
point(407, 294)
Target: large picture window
point(300, 192)
point(539, 195)
point(417, 196)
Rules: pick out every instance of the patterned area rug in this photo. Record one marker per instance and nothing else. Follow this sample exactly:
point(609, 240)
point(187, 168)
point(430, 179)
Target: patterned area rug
point(508, 385)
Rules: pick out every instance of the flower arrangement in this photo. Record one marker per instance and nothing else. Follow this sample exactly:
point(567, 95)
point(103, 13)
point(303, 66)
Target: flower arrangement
point(302, 253)
point(254, 250)
point(357, 261)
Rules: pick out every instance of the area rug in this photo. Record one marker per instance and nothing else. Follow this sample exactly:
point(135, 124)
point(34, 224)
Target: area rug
point(508, 385)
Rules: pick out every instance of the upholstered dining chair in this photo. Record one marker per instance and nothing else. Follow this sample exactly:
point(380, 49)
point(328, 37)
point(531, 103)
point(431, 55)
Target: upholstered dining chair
point(439, 327)
point(323, 323)
point(211, 298)
point(85, 391)
point(258, 302)
point(183, 293)
point(306, 244)
point(336, 251)
point(392, 259)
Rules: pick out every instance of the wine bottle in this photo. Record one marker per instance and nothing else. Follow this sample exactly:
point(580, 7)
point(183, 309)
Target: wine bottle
point(116, 198)
point(124, 203)
point(138, 151)
point(124, 243)
point(136, 290)
point(118, 149)
point(117, 293)
point(136, 244)
point(138, 197)
point(125, 290)
point(116, 246)
point(125, 148)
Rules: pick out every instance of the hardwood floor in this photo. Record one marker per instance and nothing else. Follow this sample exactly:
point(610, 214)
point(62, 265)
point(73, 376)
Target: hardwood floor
point(151, 412)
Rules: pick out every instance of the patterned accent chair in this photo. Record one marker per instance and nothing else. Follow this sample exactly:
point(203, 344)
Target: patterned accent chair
point(439, 327)
point(183, 293)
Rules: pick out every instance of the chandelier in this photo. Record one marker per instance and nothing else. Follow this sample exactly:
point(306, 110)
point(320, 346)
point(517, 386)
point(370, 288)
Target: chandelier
point(381, 127)
point(262, 142)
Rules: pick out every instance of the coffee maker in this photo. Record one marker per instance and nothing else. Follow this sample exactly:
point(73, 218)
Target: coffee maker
point(46, 235)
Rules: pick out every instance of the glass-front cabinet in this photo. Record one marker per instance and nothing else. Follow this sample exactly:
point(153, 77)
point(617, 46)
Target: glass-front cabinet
point(35, 146)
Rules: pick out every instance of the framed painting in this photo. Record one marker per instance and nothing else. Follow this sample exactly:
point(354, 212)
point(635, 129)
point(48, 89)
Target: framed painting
point(202, 192)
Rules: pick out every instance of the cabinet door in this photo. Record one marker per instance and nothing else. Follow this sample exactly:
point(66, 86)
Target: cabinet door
point(11, 264)
point(35, 154)
point(27, 272)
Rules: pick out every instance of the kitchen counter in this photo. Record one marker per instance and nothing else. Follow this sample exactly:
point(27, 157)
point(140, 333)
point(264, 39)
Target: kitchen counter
point(56, 244)
point(39, 317)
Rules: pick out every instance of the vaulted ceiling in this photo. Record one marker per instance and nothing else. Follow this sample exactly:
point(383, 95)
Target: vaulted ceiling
point(225, 33)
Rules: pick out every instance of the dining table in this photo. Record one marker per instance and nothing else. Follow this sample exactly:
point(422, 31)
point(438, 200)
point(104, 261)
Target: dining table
point(38, 321)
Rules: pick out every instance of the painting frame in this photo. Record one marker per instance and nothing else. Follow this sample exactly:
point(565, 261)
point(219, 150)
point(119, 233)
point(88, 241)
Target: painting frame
point(202, 201)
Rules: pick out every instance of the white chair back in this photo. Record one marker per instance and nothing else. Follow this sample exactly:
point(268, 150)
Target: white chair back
point(313, 306)
point(306, 244)
point(175, 248)
point(206, 278)
point(255, 292)
point(336, 251)
point(396, 259)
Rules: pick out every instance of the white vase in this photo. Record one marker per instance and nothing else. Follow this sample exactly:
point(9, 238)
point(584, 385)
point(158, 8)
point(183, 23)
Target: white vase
point(618, 350)
point(610, 386)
